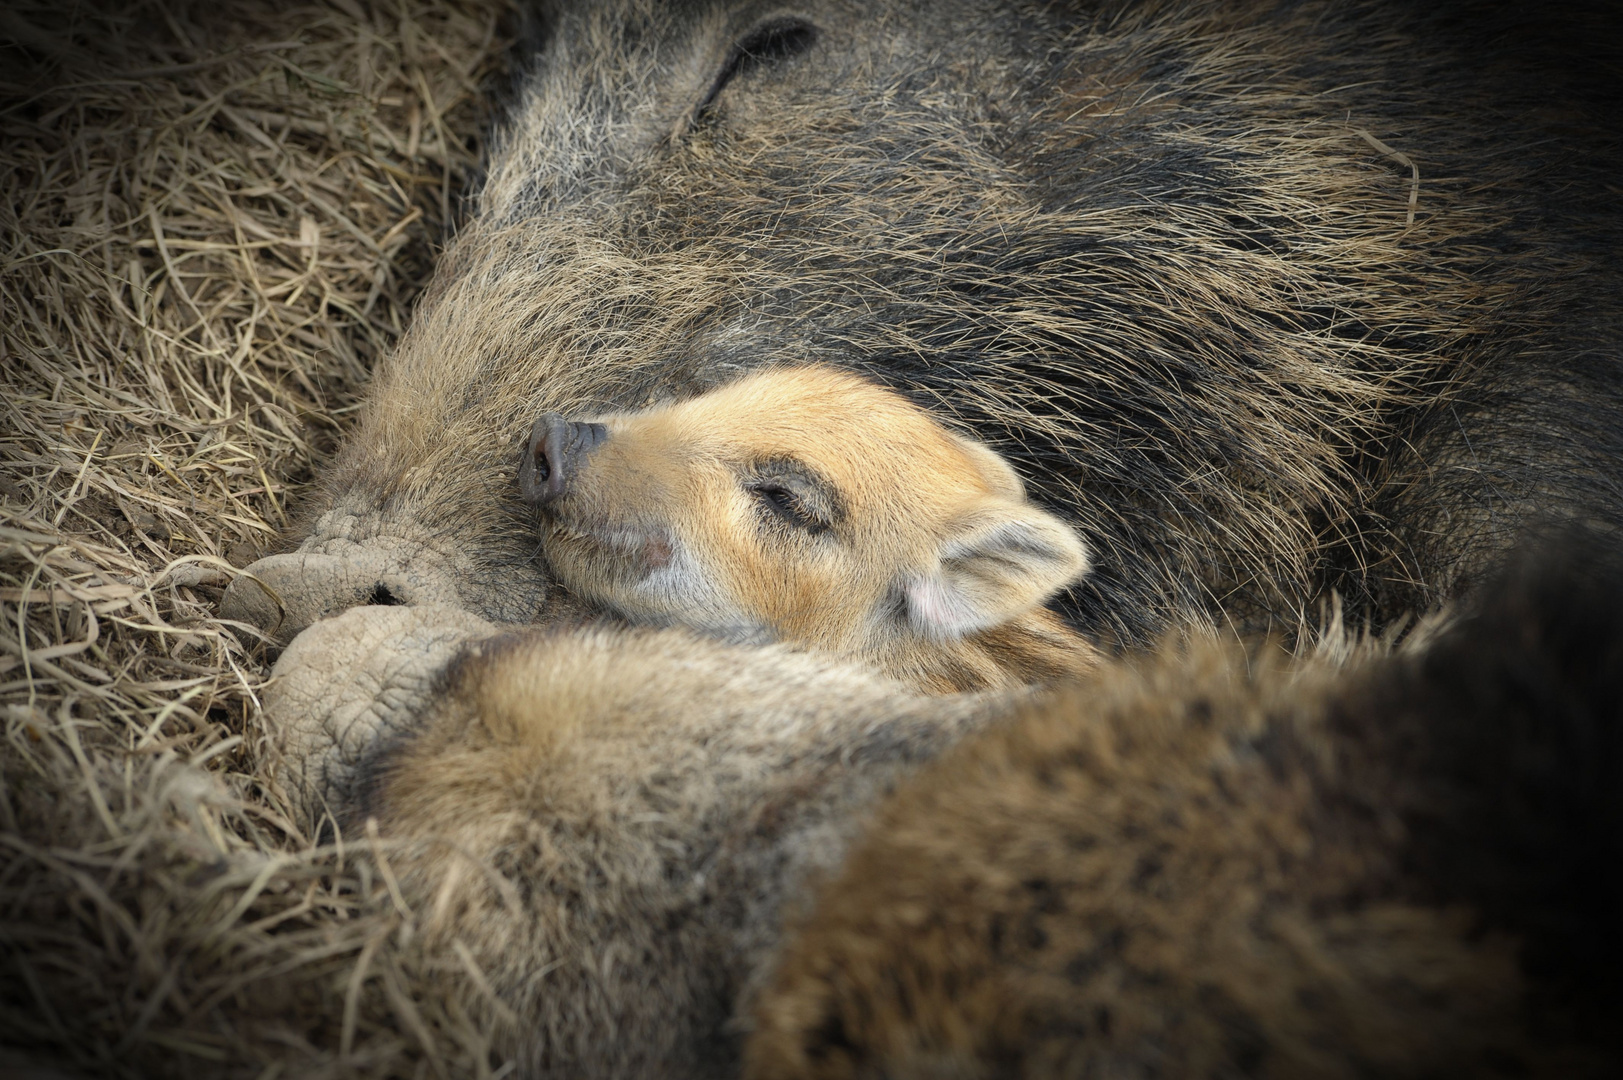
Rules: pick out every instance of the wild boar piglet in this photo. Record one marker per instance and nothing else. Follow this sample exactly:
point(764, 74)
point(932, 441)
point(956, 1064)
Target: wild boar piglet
point(811, 506)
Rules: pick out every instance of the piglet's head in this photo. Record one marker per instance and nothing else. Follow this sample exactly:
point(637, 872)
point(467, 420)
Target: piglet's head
point(798, 504)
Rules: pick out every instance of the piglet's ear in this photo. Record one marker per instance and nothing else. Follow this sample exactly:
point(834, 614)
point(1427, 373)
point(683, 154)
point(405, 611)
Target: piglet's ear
point(1005, 559)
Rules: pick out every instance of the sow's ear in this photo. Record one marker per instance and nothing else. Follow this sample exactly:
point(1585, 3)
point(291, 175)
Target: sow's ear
point(1005, 558)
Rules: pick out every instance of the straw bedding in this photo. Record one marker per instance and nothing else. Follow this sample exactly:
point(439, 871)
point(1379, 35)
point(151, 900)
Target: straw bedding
point(215, 217)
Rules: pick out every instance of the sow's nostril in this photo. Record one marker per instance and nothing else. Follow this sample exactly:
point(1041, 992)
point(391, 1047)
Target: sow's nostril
point(280, 595)
point(555, 452)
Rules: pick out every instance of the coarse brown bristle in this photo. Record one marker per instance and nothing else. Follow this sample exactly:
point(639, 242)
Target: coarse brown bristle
point(215, 220)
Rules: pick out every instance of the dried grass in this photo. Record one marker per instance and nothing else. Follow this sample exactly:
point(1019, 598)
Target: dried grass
point(214, 219)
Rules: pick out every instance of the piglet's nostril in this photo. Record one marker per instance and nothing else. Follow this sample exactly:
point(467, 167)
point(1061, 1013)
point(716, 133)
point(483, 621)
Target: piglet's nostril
point(556, 451)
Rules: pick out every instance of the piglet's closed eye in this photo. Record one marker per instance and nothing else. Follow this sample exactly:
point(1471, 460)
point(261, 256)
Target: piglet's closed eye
point(999, 562)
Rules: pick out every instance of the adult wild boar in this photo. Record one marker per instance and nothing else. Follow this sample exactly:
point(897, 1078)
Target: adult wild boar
point(1266, 300)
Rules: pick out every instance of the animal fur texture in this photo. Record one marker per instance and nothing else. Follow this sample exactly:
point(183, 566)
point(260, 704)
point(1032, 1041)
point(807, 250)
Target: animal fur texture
point(1198, 862)
point(1265, 301)
point(809, 506)
point(608, 823)
point(1208, 864)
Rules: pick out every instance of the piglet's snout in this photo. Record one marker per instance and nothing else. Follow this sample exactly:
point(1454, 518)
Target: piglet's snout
point(557, 450)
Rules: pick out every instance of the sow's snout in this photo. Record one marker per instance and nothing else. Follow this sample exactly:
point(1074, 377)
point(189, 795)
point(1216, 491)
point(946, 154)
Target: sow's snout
point(556, 451)
point(281, 595)
point(410, 559)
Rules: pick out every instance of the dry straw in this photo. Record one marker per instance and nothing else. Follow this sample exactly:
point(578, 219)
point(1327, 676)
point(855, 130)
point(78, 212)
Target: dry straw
point(214, 219)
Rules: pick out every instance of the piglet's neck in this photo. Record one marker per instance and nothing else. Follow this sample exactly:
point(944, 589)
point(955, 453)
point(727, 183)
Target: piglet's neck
point(1037, 648)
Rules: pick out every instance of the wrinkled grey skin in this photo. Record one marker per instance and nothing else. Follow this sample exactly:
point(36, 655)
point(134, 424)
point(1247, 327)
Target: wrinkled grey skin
point(352, 685)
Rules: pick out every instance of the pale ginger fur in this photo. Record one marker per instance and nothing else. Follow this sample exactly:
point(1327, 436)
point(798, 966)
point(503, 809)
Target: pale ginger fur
point(814, 507)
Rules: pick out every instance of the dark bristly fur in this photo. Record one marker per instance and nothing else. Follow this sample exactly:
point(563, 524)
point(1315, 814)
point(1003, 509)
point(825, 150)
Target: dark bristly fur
point(1267, 299)
point(1501, 752)
point(1148, 251)
point(1209, 867)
